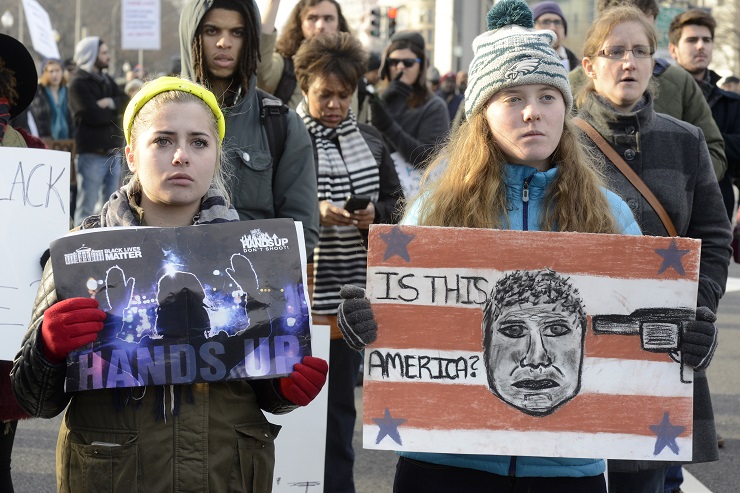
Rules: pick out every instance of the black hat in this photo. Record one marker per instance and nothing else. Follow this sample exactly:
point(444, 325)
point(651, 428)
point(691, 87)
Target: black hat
point(412, 40)
point(373, 61)
point(413, 37)
point(19, 60)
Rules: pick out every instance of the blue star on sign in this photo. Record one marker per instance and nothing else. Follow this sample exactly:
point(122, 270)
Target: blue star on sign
point(671, 258)
point(389, 427)
point(666, 435)
point(396, 241)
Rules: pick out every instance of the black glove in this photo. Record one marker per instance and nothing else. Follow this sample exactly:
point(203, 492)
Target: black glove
point(379, 117)
point(396, 90)
point(355, 318)
point(699, 339)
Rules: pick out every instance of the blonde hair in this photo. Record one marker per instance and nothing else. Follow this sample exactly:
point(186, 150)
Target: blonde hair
point(600, 30)
point(146, 115)
point(470, 190)
point(44, 77)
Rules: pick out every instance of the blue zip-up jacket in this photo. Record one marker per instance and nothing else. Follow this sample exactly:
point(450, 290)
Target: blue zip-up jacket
point(526, 189)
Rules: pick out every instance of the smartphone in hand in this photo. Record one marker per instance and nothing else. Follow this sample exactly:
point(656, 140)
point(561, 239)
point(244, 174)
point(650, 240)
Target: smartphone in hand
point(356, 203)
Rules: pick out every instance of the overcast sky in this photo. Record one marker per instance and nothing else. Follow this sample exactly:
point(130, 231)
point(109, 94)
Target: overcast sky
point(285, 7)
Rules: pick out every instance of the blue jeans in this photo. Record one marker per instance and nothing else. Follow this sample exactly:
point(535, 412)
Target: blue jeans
point(344, 364)
point(673, 479)
point(98, 176)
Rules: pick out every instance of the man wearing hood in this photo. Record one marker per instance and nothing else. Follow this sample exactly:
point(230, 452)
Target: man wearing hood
point(219, 47)
point(96, 103)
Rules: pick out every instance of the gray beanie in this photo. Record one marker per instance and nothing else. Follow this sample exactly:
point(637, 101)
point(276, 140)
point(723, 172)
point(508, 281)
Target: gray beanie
point(511, 53)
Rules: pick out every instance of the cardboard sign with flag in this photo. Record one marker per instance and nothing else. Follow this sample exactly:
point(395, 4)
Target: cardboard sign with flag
point(529, 343)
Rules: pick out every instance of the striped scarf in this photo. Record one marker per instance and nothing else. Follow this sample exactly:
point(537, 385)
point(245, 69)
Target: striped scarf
point(350, 168)
point(122, 210)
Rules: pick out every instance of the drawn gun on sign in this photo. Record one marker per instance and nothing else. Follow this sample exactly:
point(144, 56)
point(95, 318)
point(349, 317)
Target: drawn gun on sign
point(660, 329)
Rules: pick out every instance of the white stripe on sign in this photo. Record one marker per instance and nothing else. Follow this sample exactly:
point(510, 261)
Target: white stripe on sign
point(468, 368)
point(533, 443)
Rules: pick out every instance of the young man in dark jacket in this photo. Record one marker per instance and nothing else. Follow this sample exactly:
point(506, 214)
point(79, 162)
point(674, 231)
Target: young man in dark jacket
point(691, 43)
point(96, 104)
point(219, 47)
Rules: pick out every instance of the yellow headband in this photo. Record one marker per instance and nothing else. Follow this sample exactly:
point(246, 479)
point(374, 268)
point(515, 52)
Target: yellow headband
point(164, 84)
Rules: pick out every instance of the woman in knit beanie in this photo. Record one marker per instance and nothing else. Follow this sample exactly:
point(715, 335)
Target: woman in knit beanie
point(518, 130)
point(514, 164)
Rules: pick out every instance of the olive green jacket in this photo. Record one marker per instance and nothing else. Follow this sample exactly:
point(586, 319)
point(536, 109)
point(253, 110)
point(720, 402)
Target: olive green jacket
point(12, 138)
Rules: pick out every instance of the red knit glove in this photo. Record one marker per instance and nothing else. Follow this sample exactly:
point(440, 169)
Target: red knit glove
point(69, 325)
point(306, 381)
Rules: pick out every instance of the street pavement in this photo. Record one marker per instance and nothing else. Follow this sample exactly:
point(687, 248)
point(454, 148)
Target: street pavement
point(33, 454)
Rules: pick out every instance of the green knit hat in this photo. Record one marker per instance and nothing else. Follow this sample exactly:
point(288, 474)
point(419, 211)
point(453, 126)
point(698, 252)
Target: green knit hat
point(511, 53)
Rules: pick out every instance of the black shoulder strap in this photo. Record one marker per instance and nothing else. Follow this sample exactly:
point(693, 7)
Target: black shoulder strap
point(660, 66)
point(274, 117)
point(361, 91)
point(286, 87)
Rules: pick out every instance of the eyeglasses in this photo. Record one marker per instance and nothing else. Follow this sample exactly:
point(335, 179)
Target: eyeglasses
point(407, 62)
point(618, 52)
point(549, 22)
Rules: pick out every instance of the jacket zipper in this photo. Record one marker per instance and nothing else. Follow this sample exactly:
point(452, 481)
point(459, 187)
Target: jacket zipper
point(525, 204)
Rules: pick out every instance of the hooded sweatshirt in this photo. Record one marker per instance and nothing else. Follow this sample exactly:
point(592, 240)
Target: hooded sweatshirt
point(98, 129)
point(260, 189)
point(86, 53)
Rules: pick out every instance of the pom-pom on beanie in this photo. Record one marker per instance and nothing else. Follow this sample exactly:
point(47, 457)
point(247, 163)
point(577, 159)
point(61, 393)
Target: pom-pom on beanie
point(511, 53)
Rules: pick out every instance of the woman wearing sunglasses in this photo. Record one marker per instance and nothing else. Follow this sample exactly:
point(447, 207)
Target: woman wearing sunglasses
point(671, 157)
point(411, 118)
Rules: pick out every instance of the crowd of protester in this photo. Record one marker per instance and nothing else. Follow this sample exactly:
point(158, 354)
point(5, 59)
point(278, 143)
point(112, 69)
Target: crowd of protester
point(346, 120)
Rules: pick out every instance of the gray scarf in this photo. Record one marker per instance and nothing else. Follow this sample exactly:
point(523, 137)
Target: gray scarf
point(122, 210)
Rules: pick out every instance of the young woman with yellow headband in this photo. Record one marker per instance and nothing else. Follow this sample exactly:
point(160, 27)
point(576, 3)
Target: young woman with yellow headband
point(217, 439)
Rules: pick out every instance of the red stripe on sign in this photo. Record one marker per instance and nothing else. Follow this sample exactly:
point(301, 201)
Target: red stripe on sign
point(618, 256)
point(460, 329)
point(430, 406)
point(438, 327)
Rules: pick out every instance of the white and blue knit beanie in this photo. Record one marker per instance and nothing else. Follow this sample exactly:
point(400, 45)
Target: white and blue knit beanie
point(511, 53)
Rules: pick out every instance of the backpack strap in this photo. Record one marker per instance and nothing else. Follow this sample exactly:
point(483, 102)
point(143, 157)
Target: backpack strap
point(274, 117)
point(288, 82)
point(660, 66)
point(628, 173)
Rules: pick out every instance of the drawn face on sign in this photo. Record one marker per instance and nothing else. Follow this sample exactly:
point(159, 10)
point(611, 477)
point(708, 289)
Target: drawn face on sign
point(533, 341)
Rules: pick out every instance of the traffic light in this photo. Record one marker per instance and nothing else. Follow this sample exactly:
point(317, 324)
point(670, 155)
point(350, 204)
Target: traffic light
point(375, 22)
point(392, 12)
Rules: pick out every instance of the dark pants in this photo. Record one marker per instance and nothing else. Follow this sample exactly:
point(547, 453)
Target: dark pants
point(413, 476)
point(7, 435)
point(673, 479)
point(344, 363)
point(728, 194)
point(650, 481)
